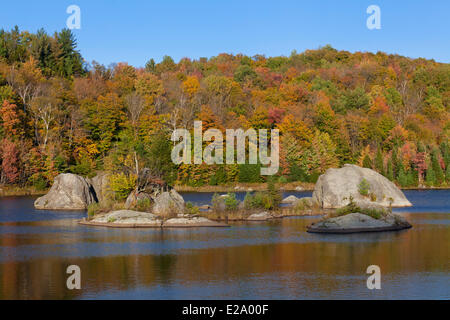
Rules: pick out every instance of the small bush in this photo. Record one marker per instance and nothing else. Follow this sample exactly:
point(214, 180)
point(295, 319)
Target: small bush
point(282, 179)
point(231, 203)
point(191, 209)
point(93, 209)
point(364, 187)
point(216, 202)
point(301, 205)
point(122, 185)
point(144, 205)
point(352, 207)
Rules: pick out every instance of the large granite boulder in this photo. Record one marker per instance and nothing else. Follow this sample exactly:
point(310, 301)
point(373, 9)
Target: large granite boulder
point(358, 222)
point(168, 204)
point(334, 188)
point(69, 192)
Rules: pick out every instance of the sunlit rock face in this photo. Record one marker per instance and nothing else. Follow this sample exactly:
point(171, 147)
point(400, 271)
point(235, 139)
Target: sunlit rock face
point(334, 188)
point(69, 192)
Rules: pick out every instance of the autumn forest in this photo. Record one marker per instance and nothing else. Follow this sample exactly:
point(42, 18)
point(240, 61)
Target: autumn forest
point(60, 113)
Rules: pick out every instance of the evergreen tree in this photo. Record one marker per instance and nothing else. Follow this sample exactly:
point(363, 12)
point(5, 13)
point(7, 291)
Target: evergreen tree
point(402, 177)
point(379, 165)
point(447, 174)
point(367, 162)
point(431, 176)
point(390, 170)
point(437, 166)
point(395, 162)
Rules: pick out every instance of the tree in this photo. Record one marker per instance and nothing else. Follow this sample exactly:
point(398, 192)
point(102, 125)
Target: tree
point(379, 162)
point(438, 172)
point(367, 162)
point(10, 120)
point(9, 156)
point(26, 80)
point(390, 170)
point(431, 176)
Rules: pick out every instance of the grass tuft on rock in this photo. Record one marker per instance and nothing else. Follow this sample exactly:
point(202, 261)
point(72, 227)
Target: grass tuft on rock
point(352, 207)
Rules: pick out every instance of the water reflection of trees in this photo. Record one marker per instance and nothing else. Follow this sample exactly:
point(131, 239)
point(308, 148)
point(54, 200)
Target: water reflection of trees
point(310, 263)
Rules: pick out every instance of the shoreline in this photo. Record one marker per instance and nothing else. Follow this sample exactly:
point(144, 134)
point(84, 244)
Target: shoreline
point(238, 187)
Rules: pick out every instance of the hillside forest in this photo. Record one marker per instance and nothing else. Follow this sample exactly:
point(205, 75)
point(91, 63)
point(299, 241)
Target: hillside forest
point(59, 113)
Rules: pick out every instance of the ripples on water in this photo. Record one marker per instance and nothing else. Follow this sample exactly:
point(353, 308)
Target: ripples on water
point(269, 260)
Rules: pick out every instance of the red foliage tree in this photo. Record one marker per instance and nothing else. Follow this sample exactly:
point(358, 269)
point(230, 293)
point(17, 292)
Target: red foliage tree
point(9, 155)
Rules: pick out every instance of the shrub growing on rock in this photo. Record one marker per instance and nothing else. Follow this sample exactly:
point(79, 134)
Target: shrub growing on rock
point(231, 203)
point(364, 187)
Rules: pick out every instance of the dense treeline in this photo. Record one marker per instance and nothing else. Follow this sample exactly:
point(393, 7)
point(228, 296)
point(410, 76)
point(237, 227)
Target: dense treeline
point(58, 114)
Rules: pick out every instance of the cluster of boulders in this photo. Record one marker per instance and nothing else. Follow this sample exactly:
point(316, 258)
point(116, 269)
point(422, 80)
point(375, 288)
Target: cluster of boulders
point(73, 192)
point(334, 189)
point(337, 188)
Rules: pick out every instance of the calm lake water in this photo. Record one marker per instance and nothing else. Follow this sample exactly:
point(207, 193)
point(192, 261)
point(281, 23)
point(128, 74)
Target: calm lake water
point(268, 260)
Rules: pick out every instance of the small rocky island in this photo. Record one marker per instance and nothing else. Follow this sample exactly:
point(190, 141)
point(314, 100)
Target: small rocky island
point(361, 200)
point(351, 199)
point(149, 206)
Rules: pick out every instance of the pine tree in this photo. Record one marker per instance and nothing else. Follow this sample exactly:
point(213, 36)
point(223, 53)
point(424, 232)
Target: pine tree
point(402, 178)
point(395, 162)
point(379, 165)
point(390, 170)
point(367, 163)
point(437, 166)
point(431, 176)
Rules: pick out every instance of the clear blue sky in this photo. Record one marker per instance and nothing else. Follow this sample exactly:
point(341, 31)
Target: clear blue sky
point(135, 31)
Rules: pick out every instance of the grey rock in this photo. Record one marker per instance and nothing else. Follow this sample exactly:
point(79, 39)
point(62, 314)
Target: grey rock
point(263, 216)
point(290, 199)
point(169, 203)
point(191, 221)
point(334, 188)
point(101, 186)
point(69, 192)
point(128, 217)
point(358, 222)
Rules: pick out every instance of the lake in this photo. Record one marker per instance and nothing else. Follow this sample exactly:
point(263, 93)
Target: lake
point(264, 260)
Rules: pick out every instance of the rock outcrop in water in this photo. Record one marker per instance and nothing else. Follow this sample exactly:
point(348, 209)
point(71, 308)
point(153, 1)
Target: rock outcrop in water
point(358, 222)
point(136, 219)
point(334, 188)
point(69, 192)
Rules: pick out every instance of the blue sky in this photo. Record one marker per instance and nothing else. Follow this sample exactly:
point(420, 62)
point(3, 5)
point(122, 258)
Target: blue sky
point(135, 31)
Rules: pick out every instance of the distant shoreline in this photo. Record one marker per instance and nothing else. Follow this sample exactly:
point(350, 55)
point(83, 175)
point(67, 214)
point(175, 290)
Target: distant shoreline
point(237, 187)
